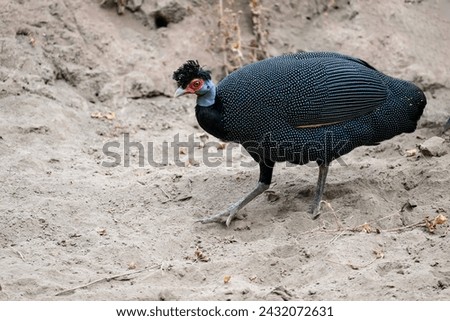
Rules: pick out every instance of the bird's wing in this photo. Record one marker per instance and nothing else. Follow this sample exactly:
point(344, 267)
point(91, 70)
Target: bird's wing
point(338, 88)
point(307, 89)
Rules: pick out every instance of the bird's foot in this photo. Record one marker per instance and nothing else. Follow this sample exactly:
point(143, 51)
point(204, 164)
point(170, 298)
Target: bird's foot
point(315, 211)
point(233, 210)
point(232, 213)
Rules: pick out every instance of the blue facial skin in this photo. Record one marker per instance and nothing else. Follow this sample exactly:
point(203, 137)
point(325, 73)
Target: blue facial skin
point(206, 94)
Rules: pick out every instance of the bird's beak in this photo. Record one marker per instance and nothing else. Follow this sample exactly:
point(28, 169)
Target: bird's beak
point(179, 92)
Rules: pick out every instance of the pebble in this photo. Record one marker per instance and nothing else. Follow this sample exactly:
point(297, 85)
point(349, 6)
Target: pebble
point(433, 146)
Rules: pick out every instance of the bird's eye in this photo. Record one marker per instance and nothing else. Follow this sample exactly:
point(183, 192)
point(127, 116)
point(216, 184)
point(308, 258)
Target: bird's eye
point(196, 84)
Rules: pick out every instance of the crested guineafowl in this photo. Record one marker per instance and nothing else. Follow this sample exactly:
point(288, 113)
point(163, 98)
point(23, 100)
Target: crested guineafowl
point(313, 106)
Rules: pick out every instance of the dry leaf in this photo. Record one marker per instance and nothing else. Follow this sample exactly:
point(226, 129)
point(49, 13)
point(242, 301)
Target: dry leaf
point(100, 115)
point(431, 225)
point(411, 152)
point(366, 228)
point(32, 41)
point(440, 219)
point(200, 256)
point(226, 279)
point(110, 116)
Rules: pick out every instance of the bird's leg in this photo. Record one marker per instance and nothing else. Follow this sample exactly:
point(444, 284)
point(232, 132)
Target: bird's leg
point(315, 207)
point(263, 184)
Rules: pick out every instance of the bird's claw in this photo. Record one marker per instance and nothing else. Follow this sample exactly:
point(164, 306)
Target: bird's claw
point(219, 218)
point(314, 212)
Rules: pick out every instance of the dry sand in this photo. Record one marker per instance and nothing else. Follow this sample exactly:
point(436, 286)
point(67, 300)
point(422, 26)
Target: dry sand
point(75, 76)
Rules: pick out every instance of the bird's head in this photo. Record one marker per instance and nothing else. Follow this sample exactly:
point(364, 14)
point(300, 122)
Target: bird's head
point(192, 79)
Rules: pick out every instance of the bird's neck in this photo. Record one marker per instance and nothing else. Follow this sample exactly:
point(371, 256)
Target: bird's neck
point(209, 97)
point(210, 118)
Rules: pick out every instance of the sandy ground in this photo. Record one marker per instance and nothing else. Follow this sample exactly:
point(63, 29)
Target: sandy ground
point(76, 77)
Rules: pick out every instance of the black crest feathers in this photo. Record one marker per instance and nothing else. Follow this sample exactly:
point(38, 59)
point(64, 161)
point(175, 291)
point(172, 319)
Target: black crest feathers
point(190, 70)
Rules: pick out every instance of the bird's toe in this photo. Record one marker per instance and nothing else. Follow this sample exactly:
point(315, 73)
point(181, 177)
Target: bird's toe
point(226, 217)
point(210, 219)
point(230, 218)
point(315, 211)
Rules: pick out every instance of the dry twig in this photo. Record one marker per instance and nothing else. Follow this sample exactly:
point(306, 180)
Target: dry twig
point(338, 223)
point(259, 44)
point(107, 278)
point(164, 192)
point(18, 253)
point(430, 224)
point(379, 254)
point(235, 53)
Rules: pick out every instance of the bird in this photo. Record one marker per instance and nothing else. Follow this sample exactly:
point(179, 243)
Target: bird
point(299, 108)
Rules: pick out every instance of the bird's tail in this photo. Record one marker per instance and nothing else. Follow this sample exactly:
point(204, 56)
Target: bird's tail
point(418, 102)
point(410, 103)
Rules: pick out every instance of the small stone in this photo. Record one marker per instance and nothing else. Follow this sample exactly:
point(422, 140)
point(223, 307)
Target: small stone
point(134, 5)
point(307, 253)
point(433, 146)
point(272, 196)
point(412, 203)
point(166, 295)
